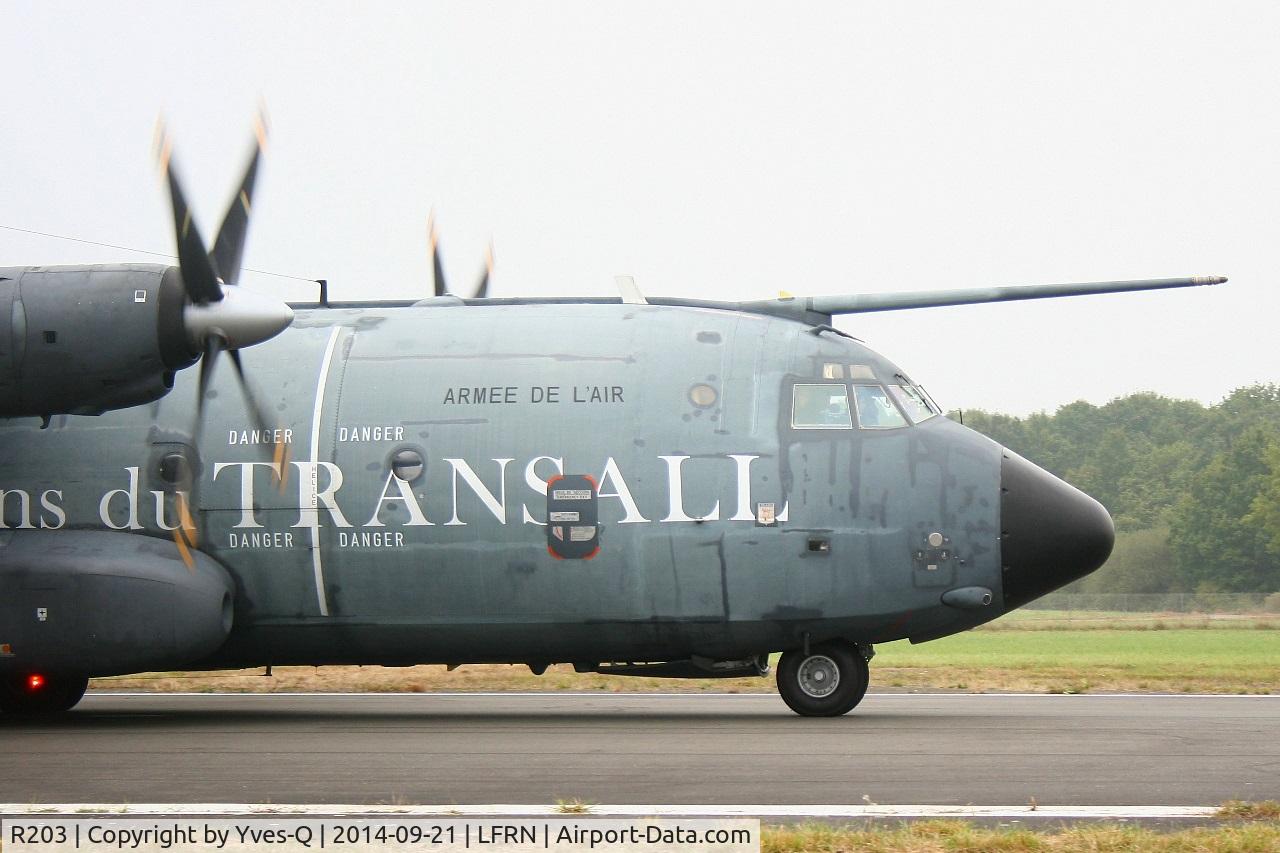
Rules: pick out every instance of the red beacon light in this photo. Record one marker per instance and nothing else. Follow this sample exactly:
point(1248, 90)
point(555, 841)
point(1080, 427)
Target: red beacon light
point(35, 682)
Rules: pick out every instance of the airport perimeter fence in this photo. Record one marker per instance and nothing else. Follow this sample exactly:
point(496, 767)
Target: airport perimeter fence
point(1170, 602)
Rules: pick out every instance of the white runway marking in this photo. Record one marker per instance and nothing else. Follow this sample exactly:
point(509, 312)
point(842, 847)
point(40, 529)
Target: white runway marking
point(1021, 812)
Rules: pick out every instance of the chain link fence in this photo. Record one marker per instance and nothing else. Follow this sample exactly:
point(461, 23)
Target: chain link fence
point(1171, 602)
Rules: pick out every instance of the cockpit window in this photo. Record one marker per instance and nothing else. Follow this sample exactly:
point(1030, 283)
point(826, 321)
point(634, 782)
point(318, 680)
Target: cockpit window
point(912, 402)
point(862, 371)
point(821, 407)
point(875, 409)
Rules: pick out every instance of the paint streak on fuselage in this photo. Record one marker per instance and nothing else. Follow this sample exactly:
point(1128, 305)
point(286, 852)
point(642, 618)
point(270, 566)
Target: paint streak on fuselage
point(350, 563)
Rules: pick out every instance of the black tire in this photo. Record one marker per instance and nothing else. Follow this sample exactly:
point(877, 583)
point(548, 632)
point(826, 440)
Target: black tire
point(59, 693)
point(805, 682)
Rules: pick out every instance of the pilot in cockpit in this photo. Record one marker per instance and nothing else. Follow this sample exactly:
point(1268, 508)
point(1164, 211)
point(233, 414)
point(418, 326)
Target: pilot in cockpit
point(837, 411)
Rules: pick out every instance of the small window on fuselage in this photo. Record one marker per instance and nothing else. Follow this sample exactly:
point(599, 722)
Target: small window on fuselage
point(875, 409)
point(821, 407)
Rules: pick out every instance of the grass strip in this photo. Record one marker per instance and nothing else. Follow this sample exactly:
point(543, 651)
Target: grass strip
point(1191, 660)
point(958, 836)
point(1246, 810)
point(1210, 660)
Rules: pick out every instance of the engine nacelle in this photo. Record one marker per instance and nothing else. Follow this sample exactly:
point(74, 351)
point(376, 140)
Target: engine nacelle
point(97, 602)
point(83, 340)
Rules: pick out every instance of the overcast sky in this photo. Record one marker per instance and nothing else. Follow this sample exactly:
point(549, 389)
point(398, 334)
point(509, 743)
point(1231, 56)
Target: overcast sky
point(716, 150)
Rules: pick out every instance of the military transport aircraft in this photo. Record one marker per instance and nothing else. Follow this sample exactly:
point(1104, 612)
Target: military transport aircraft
point(664, 487)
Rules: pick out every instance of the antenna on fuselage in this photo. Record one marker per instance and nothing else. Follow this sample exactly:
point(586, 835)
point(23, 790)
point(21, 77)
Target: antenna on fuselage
point(631, 294)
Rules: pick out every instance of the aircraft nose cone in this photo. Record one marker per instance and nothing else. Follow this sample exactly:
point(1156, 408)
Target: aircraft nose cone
point(1051, 533)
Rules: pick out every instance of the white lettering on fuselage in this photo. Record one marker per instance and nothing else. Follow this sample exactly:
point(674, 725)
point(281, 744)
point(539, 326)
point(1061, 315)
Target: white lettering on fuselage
point(370, 433)
point(370, 539)
point(278, 539)
point(131, 495)
point(52, 516)
point(462, 493)
point(280, 435)
point(311, 497)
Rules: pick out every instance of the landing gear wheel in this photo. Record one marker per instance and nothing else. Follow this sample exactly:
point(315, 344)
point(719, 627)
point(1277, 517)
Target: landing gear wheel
point(827, 682)
point(53, 695)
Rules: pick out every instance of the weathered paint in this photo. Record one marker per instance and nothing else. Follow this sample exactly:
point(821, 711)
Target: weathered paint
point(462, 572)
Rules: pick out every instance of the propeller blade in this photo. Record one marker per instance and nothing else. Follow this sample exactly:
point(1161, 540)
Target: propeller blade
point(198, 275)
point(213, 346)
point(228, 247)
point(281, 459)
point(279, 454)
point(251, 400)
point(437, 268)
point(187, 536)
point(184, 535)
point(482, 289)
point(218, 320)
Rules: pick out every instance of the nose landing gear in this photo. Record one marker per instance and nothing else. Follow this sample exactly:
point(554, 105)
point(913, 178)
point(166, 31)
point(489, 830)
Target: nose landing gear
point(825, 680)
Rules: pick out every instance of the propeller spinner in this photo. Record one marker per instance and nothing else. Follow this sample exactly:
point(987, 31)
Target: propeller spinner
point(220, 317)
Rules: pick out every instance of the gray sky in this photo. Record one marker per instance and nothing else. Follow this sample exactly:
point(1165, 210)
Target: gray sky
point(717, 150)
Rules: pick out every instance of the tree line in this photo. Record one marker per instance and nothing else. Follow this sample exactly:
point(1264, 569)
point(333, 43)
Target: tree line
point(1194, 490)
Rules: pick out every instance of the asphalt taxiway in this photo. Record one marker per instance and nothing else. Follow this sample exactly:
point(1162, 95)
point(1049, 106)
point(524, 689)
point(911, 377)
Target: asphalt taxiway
point(1095, 750)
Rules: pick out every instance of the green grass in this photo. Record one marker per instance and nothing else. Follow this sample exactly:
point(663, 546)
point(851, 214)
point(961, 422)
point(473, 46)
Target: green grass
point(1041, 620)
point(1064, 660)
point(1236, 658)
point(1246, 810)
point(953, 836)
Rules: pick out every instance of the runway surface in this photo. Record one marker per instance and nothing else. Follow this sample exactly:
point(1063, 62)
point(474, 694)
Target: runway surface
point(691, 749)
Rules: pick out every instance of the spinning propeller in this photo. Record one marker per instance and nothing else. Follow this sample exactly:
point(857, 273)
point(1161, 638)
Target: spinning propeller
point(220, 317)
point(437, 267)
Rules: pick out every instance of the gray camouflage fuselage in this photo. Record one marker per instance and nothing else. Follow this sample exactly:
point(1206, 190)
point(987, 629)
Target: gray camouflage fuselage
point(684, 568)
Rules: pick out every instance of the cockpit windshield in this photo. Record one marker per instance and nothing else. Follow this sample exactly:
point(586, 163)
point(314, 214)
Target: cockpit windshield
point(821, 407)
point(873, 406)
point(912, 402)
point(875, 409)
